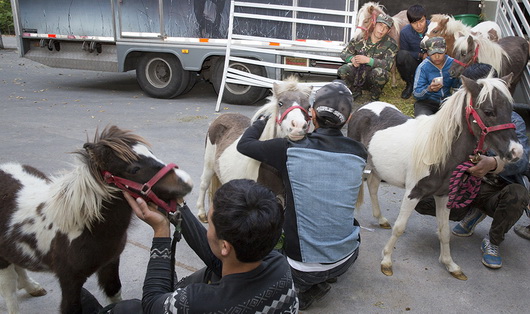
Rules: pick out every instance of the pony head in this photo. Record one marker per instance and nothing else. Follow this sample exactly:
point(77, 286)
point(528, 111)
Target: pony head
point(288, 109)
point(366, 19)
point(492, 102)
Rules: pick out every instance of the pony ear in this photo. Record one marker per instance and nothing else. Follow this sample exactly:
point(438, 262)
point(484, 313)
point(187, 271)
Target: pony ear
point(444, 21)
point(275, 88)
point(470, 85)
point(461, 34)
point(508, 79)
point(470, 41)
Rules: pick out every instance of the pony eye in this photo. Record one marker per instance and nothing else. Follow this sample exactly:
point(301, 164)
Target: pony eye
point(134, 170)
point(280, 104)
point(489, 113)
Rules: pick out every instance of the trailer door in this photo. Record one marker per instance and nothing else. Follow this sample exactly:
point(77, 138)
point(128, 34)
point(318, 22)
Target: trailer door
point(140, 18)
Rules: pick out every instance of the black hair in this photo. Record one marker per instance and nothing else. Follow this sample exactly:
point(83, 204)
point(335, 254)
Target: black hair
point(479, 70)
point(415, 13)
point(249, 217)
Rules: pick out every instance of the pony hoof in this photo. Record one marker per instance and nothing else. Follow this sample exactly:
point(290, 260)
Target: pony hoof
point(387, 270)
point(203, 218)
point(459, 275)
point(385, 225)
point(38, 293)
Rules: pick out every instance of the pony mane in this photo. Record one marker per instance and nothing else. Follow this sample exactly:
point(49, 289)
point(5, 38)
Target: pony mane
point(453, 25)
point(77, 196)
point(376, 5)
point(434, 143)
point(489, 52)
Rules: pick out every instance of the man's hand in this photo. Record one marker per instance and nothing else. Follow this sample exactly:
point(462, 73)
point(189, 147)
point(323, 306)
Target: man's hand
point(434, 87)
point(150, 215)
point(485, 164)
point(360, 59)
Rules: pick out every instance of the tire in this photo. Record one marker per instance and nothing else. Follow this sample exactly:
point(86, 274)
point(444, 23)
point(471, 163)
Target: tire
point(161, 75)
point(239, 94)
point(192, 80)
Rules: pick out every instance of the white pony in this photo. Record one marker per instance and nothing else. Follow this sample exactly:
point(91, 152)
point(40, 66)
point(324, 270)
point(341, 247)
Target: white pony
point(288, 111)
point(420, 154)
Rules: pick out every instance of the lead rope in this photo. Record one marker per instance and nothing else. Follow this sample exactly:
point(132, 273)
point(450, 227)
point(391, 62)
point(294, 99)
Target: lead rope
point(463, 187)
point(175, 219)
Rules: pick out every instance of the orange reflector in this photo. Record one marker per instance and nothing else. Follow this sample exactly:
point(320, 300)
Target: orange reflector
point(52, 36)
point(185, 51)
point(274, 44)
point(203, 40)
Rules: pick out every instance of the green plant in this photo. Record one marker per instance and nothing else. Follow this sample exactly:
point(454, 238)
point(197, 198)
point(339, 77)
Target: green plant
point(6, 18)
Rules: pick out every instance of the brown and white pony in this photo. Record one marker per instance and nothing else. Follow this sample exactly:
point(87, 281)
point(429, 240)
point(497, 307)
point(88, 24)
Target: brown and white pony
point(420, 154)
point(288, 111)
point(366, 19)
point(508, 55)
point(75, 224)
point(446, 26)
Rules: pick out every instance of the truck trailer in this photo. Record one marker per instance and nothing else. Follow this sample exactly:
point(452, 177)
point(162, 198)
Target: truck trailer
point(169, 43)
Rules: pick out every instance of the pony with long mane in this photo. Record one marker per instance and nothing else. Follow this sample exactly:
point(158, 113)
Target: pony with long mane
point(508, 55)
point(366, 20)
point(75, 224)
point(288, 111)
point(446, 26)
point(420, 154)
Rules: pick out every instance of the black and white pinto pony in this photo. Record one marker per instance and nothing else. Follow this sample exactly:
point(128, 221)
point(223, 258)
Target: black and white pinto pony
point(288, 111)
point(508, 55)
point(420, 154)
point(75, 224)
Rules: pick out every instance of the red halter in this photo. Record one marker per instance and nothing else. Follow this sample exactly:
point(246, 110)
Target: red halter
point(144, 190)
point(286, 112)
point(485, 130)
point(473, 60)
point(372, 22)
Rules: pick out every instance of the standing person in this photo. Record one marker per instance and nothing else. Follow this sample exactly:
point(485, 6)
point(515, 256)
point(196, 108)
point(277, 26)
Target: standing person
point(432, 82)
point(322, 174)
point(502, 194)
point(237, 248)
point(368, 61)
point(410, 54)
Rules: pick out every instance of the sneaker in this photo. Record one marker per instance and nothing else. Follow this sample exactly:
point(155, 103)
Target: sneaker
point(467, 225)
point(314, 293)
point(490, 254)
point(522, 231)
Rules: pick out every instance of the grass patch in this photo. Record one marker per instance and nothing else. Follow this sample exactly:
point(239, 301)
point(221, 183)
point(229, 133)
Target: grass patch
point(391, 95)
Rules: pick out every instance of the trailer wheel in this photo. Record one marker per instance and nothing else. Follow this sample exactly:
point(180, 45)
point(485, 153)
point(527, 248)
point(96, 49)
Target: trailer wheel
point(239, 94)
point(161, 75)
point(191, 83)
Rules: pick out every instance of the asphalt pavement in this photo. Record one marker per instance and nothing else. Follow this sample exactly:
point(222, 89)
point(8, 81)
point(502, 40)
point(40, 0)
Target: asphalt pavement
point(47, 113)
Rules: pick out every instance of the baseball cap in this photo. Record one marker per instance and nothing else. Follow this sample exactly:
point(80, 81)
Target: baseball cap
point(385, 19)
point(333, 103)
point(435, 45)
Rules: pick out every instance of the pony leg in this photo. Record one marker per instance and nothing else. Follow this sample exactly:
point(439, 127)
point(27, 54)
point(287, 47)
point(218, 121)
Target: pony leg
point(8, 287)
point(109, 280)
point(206, 177)
point(373, 182)
point(442, 217)
point(71, 284)
point(27, 283)
point(399, 227)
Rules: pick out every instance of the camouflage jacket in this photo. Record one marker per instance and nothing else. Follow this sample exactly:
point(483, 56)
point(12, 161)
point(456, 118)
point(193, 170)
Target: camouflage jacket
point(383, 52)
